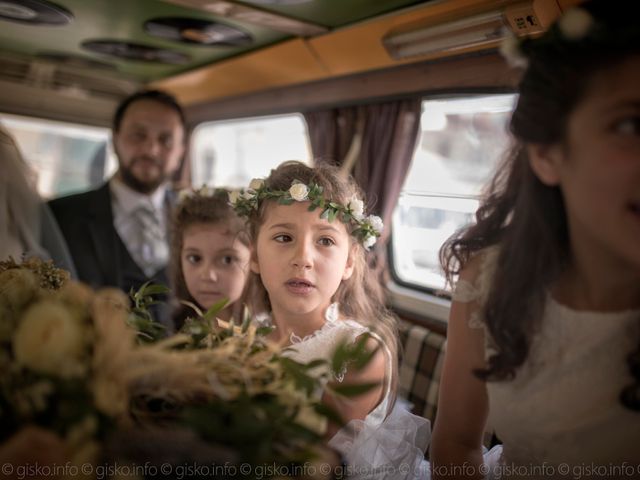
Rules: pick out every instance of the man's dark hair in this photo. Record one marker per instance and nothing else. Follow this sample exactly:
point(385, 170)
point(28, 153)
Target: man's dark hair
point(155, 95)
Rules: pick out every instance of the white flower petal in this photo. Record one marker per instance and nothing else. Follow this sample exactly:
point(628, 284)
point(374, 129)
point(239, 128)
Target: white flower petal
point(299, 192)
point(369, 242)
point(256, 184)
point(575, 24)
point(234, 196)
point(510, 50)
point(376, 223)
point(357, 208)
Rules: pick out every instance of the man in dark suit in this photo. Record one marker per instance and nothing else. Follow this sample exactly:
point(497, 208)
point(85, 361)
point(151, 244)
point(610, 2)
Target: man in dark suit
point(117, 234)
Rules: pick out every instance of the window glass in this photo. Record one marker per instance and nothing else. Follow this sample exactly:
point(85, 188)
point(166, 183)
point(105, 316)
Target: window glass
point(231, 153)
point(65, 158)
point(461, 143)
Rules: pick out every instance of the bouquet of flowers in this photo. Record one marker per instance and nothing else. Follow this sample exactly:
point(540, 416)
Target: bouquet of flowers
point(63, 353)
point(214, 394)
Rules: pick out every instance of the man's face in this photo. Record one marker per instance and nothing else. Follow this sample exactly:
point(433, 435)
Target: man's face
point(149, 145)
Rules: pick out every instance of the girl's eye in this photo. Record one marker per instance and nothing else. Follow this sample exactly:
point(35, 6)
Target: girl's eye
point(628, 126)
point(326, 241)
point(227, 260)
point(193, 258)
point(282, 238)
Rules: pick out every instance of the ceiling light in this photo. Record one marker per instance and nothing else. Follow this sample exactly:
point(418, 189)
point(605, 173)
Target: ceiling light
point(484, 29)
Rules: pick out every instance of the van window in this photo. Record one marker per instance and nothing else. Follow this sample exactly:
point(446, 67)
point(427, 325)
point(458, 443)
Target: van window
point(65, 157)
point(462, 141)
point(231, 153)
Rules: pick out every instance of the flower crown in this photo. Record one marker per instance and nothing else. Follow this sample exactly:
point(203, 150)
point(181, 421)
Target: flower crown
point(205, 192)
point(572, 26)
point(366, 229)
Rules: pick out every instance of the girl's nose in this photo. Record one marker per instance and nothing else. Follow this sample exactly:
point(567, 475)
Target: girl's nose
point(302, 257)
point(210, 273)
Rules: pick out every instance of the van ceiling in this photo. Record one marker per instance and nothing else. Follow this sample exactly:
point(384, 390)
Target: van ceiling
point(124, 20)
point(68, 70)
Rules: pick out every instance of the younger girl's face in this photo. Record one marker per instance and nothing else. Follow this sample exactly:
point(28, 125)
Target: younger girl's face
point(301, 259)
point(215, 264)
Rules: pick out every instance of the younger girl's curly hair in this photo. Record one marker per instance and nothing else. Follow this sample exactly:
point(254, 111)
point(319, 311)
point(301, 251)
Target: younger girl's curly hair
point(199, 208)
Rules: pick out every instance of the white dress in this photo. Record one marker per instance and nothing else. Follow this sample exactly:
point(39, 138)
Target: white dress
point(561, 416)
point(381, 446)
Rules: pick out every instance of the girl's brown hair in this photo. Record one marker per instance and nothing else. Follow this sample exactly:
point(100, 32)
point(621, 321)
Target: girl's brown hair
point(195, 209)
point(524, 216)
point(360, 297)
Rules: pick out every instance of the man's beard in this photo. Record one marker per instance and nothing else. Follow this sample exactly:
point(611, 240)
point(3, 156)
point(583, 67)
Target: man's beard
point(144, 187)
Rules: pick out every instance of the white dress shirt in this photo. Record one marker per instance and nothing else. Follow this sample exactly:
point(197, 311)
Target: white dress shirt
point(125, 203)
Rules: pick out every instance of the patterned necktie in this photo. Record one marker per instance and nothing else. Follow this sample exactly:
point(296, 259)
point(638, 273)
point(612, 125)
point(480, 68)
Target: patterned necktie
point(152, 253)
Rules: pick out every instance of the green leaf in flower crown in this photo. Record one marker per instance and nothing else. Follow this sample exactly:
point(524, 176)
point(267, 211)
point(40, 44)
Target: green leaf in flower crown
point(353, 389)
point(332, 215)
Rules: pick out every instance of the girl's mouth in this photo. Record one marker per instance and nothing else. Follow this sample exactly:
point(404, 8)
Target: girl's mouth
point(299, 286)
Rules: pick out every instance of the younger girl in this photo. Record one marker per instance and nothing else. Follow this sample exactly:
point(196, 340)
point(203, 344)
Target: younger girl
point(209, 254)
point(545, 324)
point(309, 235)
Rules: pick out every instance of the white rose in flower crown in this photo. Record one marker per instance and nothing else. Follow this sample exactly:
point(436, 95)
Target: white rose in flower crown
point(234, 196)
point(369, 242)
point(207, 191)
point(510, 50)
point(376, 223)
point(575, 24)
point(184, 194)
point(50, 339)
point(256, 184)
point(299, 192)
point(357, 208)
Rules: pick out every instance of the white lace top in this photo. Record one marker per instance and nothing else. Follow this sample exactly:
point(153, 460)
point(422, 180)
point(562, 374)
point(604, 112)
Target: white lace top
point(563, 405)
point(385, 444)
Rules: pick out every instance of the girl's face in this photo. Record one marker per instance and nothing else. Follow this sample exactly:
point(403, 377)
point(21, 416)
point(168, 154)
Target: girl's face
point(598, 167)
point(301, 259)
point(215, 264)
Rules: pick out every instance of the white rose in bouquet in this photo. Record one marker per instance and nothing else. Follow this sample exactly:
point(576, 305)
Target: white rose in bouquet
point(17, 287)
point(50, 339)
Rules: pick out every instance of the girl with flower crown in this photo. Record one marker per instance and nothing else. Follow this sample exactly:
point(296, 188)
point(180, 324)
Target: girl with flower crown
point(544, 331)
point(309, 234)
point(209, 254)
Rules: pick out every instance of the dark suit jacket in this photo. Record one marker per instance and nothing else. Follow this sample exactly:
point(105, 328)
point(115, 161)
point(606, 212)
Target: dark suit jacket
point(86, 221)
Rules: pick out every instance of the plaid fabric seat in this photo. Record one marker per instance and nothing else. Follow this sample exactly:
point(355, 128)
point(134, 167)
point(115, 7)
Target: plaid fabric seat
point(420, 367)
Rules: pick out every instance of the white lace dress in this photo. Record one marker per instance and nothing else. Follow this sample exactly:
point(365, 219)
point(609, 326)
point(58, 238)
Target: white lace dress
point(381, 446)
point(561, 415)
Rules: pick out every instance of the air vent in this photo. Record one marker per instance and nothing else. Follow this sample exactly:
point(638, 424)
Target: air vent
point(199, 32)
point(34, 12)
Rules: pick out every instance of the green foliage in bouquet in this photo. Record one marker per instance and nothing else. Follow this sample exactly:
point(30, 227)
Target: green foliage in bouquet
point(235, 388)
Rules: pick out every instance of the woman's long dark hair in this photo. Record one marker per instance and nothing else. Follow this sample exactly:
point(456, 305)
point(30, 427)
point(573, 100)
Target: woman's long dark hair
point(524, 216)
